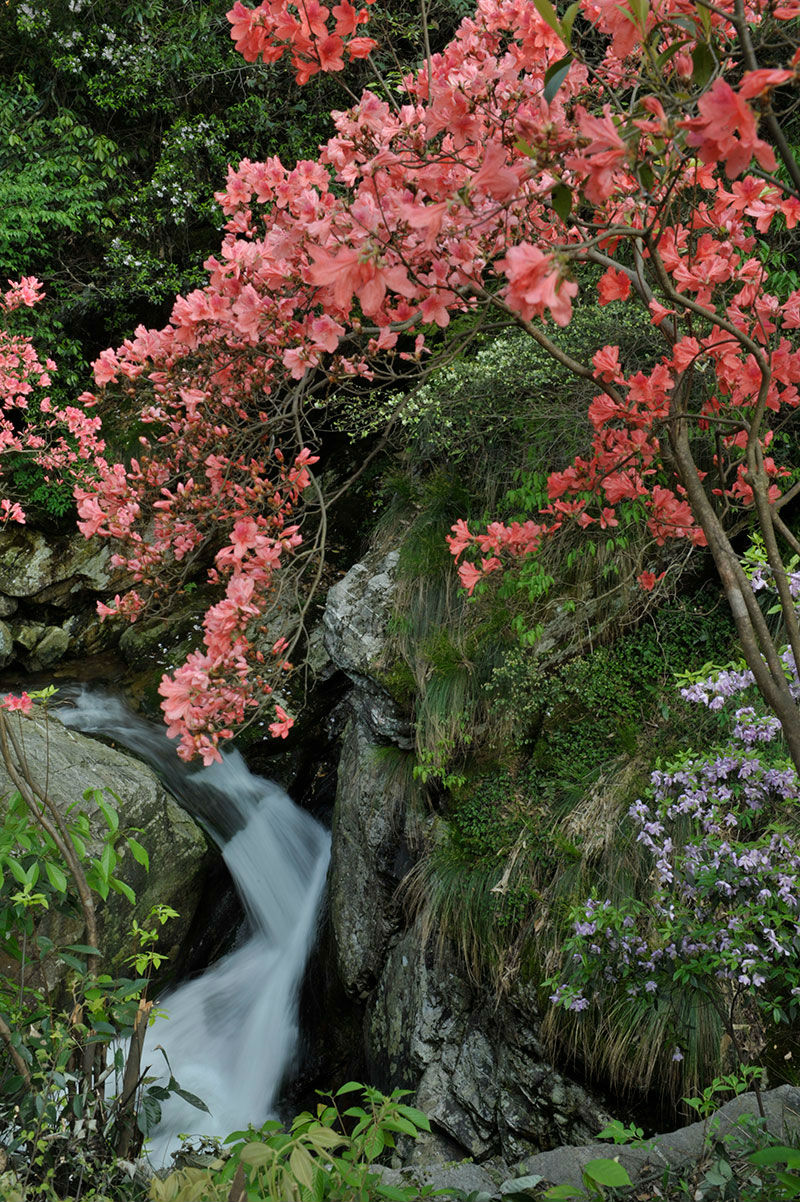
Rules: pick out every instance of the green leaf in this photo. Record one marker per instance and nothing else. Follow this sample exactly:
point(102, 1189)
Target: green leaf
point(548, 14)
point(672, 50)
point(419, 1119)
point(348, 1087)
point(121, 887)
point(56, 876)
point(561, 200)
point(607, 1172)
point(374, 1144)
point(401, 1125)
point(568, 21)
point(17, 871)
point(703, 61)
point(777, 1155)
point(191, 1098)
point(555, 75)
point(107, 862)
point(529, 1181)
point(73, 962)
point(563, 1193)
point(257, 1154)
point(106, 809)
point(149, 1115)
point(323, 1137)
point(302, 1166)
point(139, 854)
point(640, 9)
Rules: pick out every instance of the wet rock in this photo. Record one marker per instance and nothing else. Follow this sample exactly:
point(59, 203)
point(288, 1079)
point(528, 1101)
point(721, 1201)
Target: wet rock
point(27, 634)
point(477, 1065)
point(51, 647)
point(449, 1180)
point(6, 644)
point(367, 826)
point(52, 570)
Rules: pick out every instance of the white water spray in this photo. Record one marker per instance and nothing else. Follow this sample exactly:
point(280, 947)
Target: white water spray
point(231, 1034)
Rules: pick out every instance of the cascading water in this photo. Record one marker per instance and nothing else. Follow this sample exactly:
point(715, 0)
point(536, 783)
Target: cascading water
point(229, 1035)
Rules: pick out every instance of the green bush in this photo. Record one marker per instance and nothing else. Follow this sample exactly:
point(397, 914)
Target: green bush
point(329, 1155)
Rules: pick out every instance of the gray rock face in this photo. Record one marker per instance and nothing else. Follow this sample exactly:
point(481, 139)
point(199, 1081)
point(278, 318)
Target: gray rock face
point(367, 832)
point(449, 1180)
point(6, 644)
point(367, 851)
point(51, 569)
point(46, 574)
point(678, 1153)
point(66, 764)
point(357, 611)
point(676, 1150)
point(478, 1067)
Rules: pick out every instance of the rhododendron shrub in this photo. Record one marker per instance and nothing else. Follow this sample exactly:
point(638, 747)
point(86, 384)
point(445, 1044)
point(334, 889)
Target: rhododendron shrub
point(509, 160)
point(63, 441)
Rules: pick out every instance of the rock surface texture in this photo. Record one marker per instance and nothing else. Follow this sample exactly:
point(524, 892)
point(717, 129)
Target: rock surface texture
point(66, 764)
point(478, 1070)
point(676, 1154)
point(48, 590)
point(478, 1066)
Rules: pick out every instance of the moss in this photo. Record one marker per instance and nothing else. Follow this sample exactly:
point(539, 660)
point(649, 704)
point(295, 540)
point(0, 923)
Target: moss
point(398, 680)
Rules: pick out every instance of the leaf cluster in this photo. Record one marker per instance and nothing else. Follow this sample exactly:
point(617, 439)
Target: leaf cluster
point(328, 1155)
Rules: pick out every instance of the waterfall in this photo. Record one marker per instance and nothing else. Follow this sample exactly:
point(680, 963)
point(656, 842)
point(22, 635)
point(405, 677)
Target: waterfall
point(230, 1034)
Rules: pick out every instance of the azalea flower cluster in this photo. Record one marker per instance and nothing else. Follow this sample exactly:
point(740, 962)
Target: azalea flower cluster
point(482, 183)
point(725, 906)
point(304, 30)
point(61, 440)
point(730, 361)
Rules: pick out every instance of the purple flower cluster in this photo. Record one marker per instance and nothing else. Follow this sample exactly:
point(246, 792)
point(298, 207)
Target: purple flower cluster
point(751, 728)
point(715, 690)
point(723, 683)
point(726, 882)
point(762, 578)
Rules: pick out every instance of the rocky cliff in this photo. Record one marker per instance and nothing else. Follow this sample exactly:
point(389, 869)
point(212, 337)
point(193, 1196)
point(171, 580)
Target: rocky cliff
point(475, 1064)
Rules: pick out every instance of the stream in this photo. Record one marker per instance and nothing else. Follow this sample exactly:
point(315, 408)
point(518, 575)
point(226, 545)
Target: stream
point(231, 1034)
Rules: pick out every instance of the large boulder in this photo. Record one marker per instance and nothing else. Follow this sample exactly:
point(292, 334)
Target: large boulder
point(66, 765)
point(676, 1157)
point(476, 1063)
point(357, 612)
point(49, 586)
point(676, 1154)
point(52, 569)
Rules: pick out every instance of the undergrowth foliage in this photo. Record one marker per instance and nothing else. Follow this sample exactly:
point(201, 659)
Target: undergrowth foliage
point(72, 1105)
point(328, 1154)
